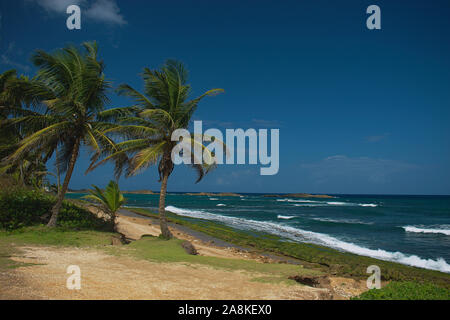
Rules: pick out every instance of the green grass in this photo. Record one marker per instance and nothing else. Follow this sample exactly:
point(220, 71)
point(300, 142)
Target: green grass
point(406, 291)
point(42, 235)
point(159, 250)
point(6, 252)
point(313, 256)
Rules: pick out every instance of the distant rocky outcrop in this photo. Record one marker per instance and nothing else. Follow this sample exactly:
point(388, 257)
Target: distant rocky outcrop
point(140, 192)
point(298, 195)
point(78, 191)
point(211, 194)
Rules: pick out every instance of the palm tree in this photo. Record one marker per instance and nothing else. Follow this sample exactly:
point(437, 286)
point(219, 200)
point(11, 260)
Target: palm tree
point(147, 126)
point(66, 96)
point(7, 136)
point(110, 199)
point(29, 170)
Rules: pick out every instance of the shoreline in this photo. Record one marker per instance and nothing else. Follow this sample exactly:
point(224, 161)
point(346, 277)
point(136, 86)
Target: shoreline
point(329, 259)
point(328, 242)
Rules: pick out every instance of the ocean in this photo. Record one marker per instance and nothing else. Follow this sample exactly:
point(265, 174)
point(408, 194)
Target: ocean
point(412, 230)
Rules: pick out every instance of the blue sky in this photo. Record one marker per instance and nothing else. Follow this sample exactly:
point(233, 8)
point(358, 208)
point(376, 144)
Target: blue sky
point(359, 111)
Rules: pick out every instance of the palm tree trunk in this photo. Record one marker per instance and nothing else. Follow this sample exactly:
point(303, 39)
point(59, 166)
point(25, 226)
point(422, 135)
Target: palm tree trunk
point(165, 232)
point(62, 192)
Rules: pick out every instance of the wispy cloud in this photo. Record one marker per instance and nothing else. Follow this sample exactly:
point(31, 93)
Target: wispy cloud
point(377, 138)
point(105, 11)
point(253, 123)
point(6, 60)
point(58, 6)
point(344, 169)
point(264, 123)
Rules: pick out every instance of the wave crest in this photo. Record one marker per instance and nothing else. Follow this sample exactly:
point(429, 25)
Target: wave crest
point(426, 230)
point(318, 238)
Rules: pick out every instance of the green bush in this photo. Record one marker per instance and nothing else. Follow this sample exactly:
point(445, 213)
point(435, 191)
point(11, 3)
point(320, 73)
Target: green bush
point(407, 291)
point(21, 207)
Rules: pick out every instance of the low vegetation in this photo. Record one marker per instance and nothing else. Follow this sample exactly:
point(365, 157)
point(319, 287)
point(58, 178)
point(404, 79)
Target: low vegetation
point(23, 207)
point(406, 291)
point(109, 200)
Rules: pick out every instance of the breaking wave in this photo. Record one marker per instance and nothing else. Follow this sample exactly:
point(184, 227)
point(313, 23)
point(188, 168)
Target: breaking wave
point(426, 230)
point(350, 221)
point(315, 203)
point(318, 238)
point(285, 217)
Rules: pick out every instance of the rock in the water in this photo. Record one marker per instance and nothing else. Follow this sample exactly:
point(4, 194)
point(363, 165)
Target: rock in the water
point(189, 248)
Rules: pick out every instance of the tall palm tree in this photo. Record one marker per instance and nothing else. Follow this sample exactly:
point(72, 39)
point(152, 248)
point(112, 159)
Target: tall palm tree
point(110, 199)
point(147, 126)
point(66, 95)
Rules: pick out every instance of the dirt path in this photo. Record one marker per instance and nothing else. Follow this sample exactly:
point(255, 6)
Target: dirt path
point(105, 276)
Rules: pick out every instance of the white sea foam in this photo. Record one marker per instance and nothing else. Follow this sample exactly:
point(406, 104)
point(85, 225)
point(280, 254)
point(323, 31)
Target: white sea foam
point(318, 238)
point(220, 205)
point(310, 203)
point(426, 230)
point(213, 199)
point(367, 204)
point(292, 200)
point(350, 221)
point(285, 217)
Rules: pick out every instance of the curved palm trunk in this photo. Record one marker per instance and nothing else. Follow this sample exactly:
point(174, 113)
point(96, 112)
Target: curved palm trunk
point(162, 204)
point(63, 190)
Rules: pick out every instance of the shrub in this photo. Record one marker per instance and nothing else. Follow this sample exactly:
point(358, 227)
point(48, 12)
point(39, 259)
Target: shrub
point(407, 291)
point(20, 207)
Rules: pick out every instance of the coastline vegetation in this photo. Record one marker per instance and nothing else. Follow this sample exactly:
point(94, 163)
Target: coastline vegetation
point(109, 200)
point(325, 259)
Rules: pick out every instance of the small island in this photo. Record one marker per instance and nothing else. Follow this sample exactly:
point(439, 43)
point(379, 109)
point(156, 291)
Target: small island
point(140, 192)
point(298, 195)
point(211, 194)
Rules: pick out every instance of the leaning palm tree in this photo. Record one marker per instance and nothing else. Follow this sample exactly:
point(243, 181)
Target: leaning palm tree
point(147, 127)
point(110, 200)
point(66, 95)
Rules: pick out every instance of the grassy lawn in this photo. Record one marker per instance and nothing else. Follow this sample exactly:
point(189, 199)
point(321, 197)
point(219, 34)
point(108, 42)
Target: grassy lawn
point(56, 237)
point(10, 241)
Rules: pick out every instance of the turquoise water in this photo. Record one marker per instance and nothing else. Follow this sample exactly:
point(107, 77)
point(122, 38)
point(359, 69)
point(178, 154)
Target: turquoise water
point(413, 230)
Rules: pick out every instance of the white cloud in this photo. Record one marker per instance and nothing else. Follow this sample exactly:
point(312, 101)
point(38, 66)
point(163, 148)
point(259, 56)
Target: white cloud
point(58, 6)
point(106, 11)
